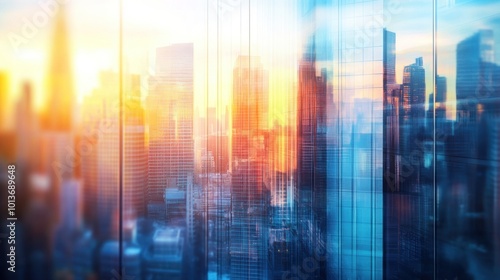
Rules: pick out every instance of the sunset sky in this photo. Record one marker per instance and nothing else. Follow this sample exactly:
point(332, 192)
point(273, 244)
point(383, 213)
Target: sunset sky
point(218, 39)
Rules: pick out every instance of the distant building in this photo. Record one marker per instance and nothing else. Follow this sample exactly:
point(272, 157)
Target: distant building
point(109, 255)
point(170, 118)
point(84, 257)
point(163, 259)
point(248, 247)
point(474, 80)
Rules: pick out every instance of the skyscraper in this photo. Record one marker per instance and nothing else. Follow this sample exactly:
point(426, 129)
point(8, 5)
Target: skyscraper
point(170, 109)
point(135, 160)
point(476, 107)
point(492, 199)
point(412, 112)
point(475, 65)
point(100, 153)
point(413, 93)
point(56, 140)
point(389, 57)
point(391, 113)
point(164, 258)
point(310, 197)
point(58, 110)
point(437, 105)
point(249, 195)
point(101, 159)
point(441, 89)
point(354, 247)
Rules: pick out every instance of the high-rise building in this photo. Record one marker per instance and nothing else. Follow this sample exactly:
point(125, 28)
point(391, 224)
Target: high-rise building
point(389, 58)
point(249, 195)
point(412, 114)
point(100, 154)
point(404, 122)
point(58, 110)
point(474, 81)
point(69, 228)
point(100, 162)
point(135, 166)
point(280, 252)
point(437, 106)
point(26, 128)
point(109, 260)
point(354, 208)
point(56, 139)
point(413, 93)
point(218, 147)
point(84, 256)
point(170, 117)
point(441, 90)
point(164, 258)
point(476, 108)
point(310, 197)
point(391, 113)
point(492, 199)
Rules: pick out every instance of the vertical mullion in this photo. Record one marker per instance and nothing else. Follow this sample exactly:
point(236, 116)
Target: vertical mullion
point(120, 146)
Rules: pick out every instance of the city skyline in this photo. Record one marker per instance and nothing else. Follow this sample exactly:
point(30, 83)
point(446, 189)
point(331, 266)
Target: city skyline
point(249, 148)
point(94, 55)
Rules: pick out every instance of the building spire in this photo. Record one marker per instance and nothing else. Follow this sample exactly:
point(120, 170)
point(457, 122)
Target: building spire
point(59, 103)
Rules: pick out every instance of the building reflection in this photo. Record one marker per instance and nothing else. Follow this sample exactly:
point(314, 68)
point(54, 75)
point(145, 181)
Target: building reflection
point(377, 171)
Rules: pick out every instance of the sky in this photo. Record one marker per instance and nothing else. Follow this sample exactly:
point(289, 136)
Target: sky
point(220, 32)
point(456, 20)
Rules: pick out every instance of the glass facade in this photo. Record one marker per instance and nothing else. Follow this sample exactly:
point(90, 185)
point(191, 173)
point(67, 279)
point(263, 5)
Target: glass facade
point(250, 139)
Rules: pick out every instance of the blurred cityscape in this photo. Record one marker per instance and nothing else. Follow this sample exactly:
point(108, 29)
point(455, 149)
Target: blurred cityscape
point(367, 175)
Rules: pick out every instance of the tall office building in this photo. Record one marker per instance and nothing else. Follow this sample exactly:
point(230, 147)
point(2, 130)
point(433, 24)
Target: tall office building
point(57, 119)
point(404, 122)
point(100, 162)
point(476, 107)
point(70, 226)
point(58, 110)
point(164, 258)
point(109, 260)
point(355, 148)
point(249, 109)
point(440, 104)
point(474, 89)
point(389, 59)
point(91, 108)
point(135, 160)
point(281, 182)
point(170, 117)
point(441, 90)
point(218, 147)
point(391, 152)
point(100, 154)
point(249, 195)
point(474, 80)
point(281, 173)
point(26, 126)
point(83, 260)
point(56, 139)
point(492, 199)
point(412, 114)
point(310, 197)
point(413, 93)
point(391, 113)
point(437, 106)
point(314, 92)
